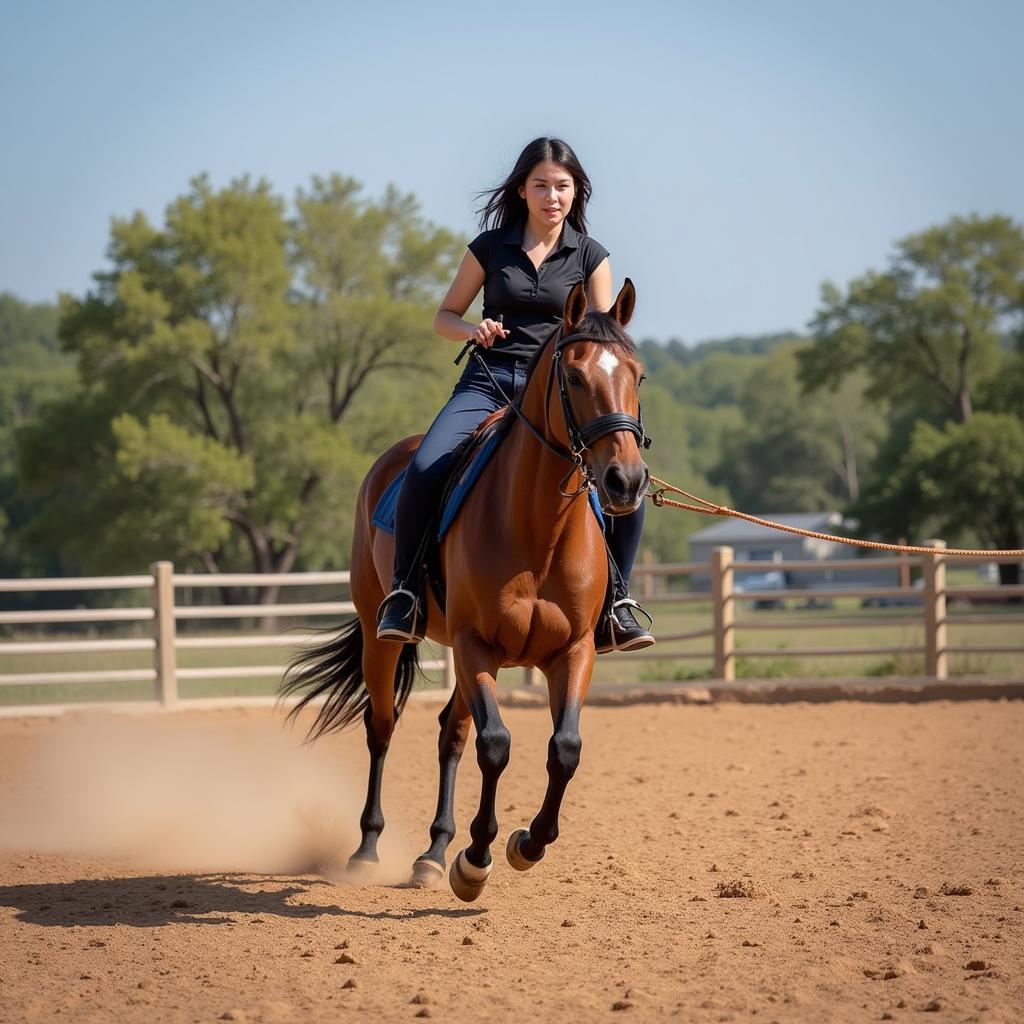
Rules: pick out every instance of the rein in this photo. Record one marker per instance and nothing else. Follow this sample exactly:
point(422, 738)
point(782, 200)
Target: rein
point(580, 438)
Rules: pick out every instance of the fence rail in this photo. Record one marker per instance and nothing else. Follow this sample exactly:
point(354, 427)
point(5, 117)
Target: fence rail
point(165, 612)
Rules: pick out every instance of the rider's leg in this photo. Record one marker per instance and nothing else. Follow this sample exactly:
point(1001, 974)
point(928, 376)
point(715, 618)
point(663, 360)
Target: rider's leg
point(474, 398)
point(618, 629)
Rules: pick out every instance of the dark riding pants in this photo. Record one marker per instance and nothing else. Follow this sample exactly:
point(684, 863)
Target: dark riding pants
point(473, 399)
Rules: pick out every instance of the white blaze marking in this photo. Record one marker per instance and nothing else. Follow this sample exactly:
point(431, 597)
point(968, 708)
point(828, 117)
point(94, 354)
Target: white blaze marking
point(608, 362)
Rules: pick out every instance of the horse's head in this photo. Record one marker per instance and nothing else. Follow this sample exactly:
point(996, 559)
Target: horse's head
point(596, 401)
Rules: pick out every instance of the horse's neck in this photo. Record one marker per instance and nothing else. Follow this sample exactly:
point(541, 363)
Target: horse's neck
point(534, 473)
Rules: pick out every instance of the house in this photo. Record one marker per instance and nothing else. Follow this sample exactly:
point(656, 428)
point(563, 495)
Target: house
point(753, 543)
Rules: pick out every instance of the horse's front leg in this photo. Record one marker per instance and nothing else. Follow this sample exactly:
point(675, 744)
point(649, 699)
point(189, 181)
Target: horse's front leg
point(568, 680)
point(475, 666)
point(428, 870)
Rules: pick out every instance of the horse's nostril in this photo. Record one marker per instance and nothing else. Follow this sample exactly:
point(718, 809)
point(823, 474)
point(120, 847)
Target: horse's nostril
point(615, 482)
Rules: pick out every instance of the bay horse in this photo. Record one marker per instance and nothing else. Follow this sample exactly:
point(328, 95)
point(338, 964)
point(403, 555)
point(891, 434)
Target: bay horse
point(526, 569)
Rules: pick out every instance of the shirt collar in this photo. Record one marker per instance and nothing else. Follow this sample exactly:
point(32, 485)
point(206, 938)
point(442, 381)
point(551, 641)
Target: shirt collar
point(570, 236)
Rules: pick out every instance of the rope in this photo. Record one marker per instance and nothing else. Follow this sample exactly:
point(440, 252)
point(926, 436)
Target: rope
point(709, 508)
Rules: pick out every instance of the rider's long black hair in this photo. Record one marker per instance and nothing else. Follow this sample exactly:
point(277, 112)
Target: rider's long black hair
point(505, 206)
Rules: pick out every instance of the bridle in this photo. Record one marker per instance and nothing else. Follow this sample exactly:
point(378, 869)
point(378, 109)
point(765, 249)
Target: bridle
point(580, 437)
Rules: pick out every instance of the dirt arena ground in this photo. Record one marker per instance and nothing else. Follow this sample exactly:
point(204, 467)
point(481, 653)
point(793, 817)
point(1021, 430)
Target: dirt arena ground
point(811, 863)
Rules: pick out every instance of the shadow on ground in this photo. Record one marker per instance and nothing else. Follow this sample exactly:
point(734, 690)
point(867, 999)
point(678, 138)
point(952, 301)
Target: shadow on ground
point(158, 900)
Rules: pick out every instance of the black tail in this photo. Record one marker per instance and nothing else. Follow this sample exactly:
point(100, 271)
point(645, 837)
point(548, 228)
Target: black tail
point(334, 671)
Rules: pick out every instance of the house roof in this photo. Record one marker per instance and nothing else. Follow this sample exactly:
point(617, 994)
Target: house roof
point(731, 531)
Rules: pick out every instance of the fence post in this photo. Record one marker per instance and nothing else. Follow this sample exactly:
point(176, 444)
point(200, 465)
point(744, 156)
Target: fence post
point(934, 570)
point(531, 677)
point(904, 564)
point(647, 560)
point(723, 613)
point(164, 632)
point(449, 670)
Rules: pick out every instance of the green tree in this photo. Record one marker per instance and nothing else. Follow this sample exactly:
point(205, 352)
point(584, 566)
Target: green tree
point(221, 357)
point(927, 330)
point(33, 371)
point(666, 531)
point(983, 460)
point(794, 452)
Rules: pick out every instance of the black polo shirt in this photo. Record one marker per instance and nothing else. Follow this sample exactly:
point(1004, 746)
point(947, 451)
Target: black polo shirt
point(531, 299)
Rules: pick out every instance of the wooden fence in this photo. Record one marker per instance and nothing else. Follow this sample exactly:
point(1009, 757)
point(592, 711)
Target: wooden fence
point(163, 612)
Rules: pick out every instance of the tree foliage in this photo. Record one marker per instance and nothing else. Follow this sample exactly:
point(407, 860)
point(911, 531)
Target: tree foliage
point(220, 357)
point(928, 329)
point(33, 371)
point(941, 337)
point(963, 482)
point(795, 452)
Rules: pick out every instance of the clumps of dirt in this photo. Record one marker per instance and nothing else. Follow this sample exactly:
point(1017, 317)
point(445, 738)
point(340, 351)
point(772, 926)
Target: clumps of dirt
point(961, 889)
point(890, 971)
point(872, 811)
point(884, 974)
point(876, 818)
point(738, 888)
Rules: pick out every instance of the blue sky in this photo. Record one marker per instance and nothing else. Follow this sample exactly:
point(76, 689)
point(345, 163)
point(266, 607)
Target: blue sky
point(741, 152)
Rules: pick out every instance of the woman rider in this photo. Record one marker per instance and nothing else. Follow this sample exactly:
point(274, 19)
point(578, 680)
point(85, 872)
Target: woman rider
point(527, 263)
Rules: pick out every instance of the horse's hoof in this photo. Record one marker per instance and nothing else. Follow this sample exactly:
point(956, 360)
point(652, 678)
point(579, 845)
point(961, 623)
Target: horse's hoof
point(467, 880)
point(360, 869)
point(427, 874)
point(515, 854)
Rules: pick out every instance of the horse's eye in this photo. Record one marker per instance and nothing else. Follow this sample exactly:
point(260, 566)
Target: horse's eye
point(575, 380)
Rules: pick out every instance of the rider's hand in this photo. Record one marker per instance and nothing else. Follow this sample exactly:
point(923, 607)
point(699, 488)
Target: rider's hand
point(488, 332)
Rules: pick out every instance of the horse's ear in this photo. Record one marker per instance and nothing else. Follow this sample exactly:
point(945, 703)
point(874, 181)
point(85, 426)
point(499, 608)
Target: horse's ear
point(622, 309)
point(575, 307)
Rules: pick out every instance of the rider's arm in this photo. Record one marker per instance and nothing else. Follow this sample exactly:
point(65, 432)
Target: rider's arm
point(448, 322)
point(599, 287)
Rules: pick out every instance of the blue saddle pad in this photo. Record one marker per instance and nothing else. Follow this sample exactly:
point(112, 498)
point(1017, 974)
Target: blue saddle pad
point(384, 513)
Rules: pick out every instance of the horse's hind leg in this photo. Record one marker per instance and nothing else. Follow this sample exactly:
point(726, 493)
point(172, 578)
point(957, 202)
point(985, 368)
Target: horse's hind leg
point(476, 665)
point(380, 660)
point(428, 870)
point(567, 686)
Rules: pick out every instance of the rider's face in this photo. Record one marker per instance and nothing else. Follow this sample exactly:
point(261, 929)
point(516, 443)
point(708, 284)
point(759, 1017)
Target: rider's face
point(549, 191)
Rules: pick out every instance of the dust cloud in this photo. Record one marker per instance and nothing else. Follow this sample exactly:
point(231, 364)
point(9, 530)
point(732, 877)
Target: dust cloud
point(191, 795)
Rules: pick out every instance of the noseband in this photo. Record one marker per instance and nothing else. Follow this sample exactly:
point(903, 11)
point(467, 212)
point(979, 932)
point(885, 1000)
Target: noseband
point(580, 438)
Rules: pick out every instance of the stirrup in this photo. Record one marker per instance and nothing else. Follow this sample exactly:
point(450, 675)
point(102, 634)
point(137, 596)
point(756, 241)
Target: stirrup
point(409, 628)
point(638, 641)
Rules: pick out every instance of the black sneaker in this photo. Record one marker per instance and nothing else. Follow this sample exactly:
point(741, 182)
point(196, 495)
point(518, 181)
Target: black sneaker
point(618, 630)
point(401, 616)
